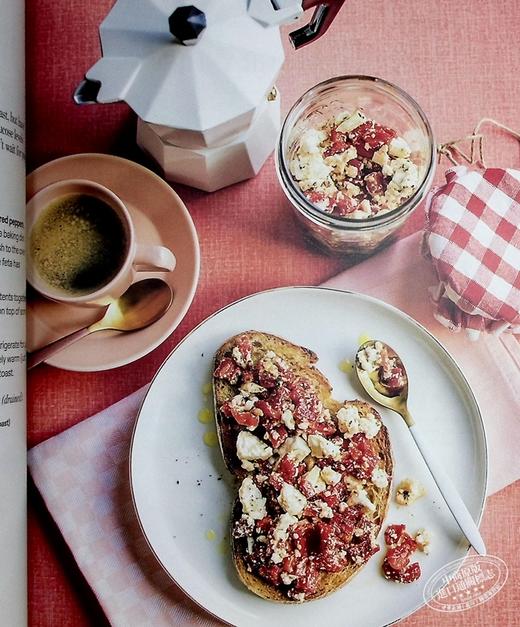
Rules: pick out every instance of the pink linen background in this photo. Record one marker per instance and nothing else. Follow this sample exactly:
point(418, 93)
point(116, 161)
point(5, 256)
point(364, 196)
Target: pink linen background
point(459, 60)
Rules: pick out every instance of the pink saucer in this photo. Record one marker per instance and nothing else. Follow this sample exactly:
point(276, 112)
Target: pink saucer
point(160, 217)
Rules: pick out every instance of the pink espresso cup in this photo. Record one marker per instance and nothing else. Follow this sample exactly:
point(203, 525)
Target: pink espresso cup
point(150, 258)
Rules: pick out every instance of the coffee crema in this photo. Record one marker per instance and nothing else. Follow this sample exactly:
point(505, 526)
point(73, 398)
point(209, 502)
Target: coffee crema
point(78, 244)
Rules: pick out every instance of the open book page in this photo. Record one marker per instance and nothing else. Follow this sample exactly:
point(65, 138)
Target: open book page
point(13, 575)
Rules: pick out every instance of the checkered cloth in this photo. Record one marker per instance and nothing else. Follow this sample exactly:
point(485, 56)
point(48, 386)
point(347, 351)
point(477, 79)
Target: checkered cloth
point(472, 236)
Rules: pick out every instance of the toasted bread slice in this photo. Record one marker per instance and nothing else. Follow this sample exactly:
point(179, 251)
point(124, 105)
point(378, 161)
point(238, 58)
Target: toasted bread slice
point(301, 362)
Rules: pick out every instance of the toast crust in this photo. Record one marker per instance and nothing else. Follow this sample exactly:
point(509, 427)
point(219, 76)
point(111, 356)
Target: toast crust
point(301, 362)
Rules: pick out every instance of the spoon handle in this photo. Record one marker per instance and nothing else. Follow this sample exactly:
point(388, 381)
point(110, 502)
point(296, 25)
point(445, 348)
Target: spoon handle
point(450, 494)
point(35, 358)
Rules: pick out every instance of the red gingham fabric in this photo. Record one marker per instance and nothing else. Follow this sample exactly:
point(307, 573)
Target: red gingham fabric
point(472, 236)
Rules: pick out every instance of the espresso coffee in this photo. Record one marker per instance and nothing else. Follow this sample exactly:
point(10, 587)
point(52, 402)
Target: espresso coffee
point(78, 244)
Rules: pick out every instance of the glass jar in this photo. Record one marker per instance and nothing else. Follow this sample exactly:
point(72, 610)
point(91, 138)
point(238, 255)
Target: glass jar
point(382, 102)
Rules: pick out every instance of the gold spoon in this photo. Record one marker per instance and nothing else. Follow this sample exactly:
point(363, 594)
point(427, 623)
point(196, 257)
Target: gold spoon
point(388, 385)
point(142, 304)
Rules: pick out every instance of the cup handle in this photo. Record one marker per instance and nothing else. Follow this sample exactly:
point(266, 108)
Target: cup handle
point(158, 258)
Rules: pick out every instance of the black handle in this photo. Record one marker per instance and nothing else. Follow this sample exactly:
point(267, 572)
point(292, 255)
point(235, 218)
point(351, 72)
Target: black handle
point(322, 18)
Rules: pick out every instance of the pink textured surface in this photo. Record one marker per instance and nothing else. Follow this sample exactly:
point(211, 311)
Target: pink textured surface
point(459, 60)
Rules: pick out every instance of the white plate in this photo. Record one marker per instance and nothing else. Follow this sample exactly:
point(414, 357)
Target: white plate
point(175, 476)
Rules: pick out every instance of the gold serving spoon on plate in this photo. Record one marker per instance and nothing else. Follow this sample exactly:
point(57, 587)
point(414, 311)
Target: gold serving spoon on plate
point(381, 372)
point(143, 303)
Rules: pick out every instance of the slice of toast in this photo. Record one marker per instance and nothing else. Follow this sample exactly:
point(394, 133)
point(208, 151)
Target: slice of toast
point(242, 358)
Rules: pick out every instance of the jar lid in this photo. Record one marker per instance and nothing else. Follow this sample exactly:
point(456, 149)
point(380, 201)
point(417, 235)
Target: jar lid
point(195, 67)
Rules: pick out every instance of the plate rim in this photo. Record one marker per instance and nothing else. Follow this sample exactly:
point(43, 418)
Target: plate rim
point(366, 297)
point(118, 363)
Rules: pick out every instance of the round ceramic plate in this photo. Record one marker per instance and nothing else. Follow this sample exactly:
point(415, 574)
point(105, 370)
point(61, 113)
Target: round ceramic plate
point(160, 217)
point(183, 494)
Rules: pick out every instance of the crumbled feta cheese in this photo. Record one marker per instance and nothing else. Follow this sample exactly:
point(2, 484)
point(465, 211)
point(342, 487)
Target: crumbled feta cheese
point(315, 481)
point(250, 448)
point(379, 478)
point(311, 169)
point(365, 206)
point(369, 357)
point(350, 422)
point(381, 156)
point(330, 476)
point(287, 579)
point(277, 556)
point(311, 139)
point(399, 148)
point(292, 500)
point(321, 447)
point(325, 511)
point(423, 539)
point(358, 494)
point(295, 447)
point(406, 174)
point(288, 419)
point(253, 503)
point(281, 531)
point(352, 121)
point(249, 388)
point(408, 491)
point(352, 190)
point(340, 161)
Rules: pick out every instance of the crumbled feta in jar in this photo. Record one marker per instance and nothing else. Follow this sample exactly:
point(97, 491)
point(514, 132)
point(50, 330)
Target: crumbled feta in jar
point(353, 167)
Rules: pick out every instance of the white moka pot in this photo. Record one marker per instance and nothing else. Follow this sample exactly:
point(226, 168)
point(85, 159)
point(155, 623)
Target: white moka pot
point(201, 80)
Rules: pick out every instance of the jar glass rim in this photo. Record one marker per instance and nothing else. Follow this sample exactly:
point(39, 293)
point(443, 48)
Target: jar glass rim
point(298, 198)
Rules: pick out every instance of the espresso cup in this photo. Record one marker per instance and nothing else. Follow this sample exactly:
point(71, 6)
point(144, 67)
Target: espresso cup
point(82, 247)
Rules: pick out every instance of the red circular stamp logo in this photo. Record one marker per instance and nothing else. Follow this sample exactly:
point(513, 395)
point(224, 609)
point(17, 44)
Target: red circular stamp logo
point(465, 583)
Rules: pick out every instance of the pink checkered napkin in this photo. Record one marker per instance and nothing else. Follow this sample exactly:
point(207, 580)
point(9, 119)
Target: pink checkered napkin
point(472, 236)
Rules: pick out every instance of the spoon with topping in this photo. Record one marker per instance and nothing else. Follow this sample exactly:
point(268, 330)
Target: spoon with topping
point(143, 303)
point(383, 375)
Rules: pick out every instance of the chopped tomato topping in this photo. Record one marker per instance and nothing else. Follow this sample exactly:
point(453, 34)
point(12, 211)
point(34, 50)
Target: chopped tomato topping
point(289, 469)
point(408, 575)
point(271, 414)
point(360, 459)
point(362, 549)
point(228, 370)
point(271, 573)
point(243, 418)
point(401, 547)
point(277, 435)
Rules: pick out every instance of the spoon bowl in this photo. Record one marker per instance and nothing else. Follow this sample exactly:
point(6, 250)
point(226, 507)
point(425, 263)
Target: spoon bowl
point(370, 372)
point(143, 303)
